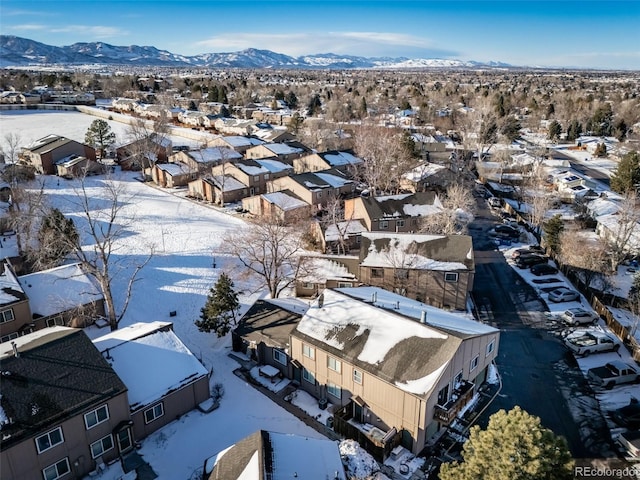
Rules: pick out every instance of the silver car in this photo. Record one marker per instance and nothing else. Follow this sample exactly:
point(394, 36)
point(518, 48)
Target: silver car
point(579, 316)
point(563, 294)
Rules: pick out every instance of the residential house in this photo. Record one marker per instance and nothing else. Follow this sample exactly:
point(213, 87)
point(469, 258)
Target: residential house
point(571, 185)
point(425, 176)
point(346, 162)
point(249, 172)
point(238, 143)
point(269, 134)
point(234, 126)
point(434, 269)
point(64, 295)
point(286, 152)
point(340, 237)
point(144, 152)
point(393, 213)
point(202, 160)
point(267, 455)
point(46, 151)
point(15, 314)
point(320, 272)
point(218, 189)
point(621, 229)
point(76, 166)
point(124, 104)
point(283, 207)
point(163, 378)
point(64, 412)
point(170, 175)
point(315, 188)
point(394, 370)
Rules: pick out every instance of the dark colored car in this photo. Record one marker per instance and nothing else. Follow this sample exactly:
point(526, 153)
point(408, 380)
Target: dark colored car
point(627, 416)
point(530, 250)
point(543, 269)
point(526, 261)
point(506, 231)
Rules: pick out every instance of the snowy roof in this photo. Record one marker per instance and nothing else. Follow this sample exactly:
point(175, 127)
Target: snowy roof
point(416, 251)
point(422, 171)
point(10, 289)
point(282, 148)
point(175, 168)
point(382, 333)
point(602, 206)
point(346, 228)
point(59, 289)
point(341, 158)
point(333, 180)
point(214, 154)
point(250, 167)
point(404, 205)
point(273, 165)
point(319, 270)
point(277, 456)
point(151, 364)
point(230, 183)
point(284, 201)
point(240, 141)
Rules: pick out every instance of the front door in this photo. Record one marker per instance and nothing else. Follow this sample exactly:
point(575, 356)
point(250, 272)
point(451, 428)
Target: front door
point(357, 412)
point(125, 443)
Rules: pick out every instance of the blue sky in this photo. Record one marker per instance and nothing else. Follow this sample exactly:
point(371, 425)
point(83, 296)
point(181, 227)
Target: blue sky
point(589, 33)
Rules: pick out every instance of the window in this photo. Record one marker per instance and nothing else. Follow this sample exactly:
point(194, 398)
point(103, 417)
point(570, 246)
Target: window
point(308, 376)
point(473, 364)
point(279, 356)
point(384, 224)
point(56, 470)
point(399, 223)
point(458, 379)
point(256, 178)
point(443, 395)
point(334, 390)
point(11, 336)
point(402, 273)
point(451, 277)
point(491, 347)
point(377, 273)
point(124, 440)
point(319, 194)
point(307, 285)
point(97, 416)
point(334, 364)
point(308, 351)
point(103, 445)
point(52, 322)
point(266, 176)
point(6, 316)
point(49, 440)
point(344, 285)
point(357, 376)
point(154, 412)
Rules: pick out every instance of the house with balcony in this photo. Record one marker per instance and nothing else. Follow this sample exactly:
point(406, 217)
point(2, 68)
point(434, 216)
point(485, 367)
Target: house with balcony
point(434, 269)
point(393, 370)
point(64, 410)
point(164, 379)
point(393, 213)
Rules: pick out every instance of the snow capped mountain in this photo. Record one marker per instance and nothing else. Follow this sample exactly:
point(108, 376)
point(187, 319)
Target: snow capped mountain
point(16, 51)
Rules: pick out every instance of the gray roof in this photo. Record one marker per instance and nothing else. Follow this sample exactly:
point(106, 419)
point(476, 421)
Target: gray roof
point(58, 374)
point(393, 206)
point(267, 322)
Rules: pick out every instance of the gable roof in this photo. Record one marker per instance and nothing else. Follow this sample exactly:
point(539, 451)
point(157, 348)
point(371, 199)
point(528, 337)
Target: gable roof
point(58, 374)
point(401, 206)
point(385, 335)
point(285, 200)
point(151, 360)
point(10, 289)
point(213, 154)
point(48, 143)
point(417, 251)
point(337, 158)
point(317, 181)
point(277, 456)
point(270, 322)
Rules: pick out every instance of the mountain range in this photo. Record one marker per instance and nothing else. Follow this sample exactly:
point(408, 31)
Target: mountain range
point(17, 51)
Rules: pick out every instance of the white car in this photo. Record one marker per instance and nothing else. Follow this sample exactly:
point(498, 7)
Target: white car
point(563, 294)
point(578, 316)
point(585, 342)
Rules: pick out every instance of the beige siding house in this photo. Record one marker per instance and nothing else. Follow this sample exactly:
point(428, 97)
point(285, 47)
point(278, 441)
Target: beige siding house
point(45, 152)
point(15, 314)
point(315, 188)
point(285, 151)
point(345, 161)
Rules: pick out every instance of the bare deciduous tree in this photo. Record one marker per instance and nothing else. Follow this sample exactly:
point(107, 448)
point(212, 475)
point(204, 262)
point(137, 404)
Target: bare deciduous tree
point(455, 214)
point(621, 234)
point(146, 138)
point(587, 256)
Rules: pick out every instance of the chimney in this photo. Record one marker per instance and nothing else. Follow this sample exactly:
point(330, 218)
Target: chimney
point(423, 316)
point(321, 300)
point(15, 349)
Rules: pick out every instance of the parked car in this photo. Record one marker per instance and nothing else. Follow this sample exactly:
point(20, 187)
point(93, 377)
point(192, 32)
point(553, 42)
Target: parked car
point(547, 280)
point(579, 316)
point(613, 373)
point(586, 342)
point(526, 261)
point(505, 231)
point(628, 416)
point(563, 294)
point(495, 202)
point(543, 269)
point(531, 249)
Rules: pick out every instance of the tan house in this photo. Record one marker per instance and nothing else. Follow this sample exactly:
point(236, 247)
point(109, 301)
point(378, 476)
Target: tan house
point(202, 160)
point(64, 295)
point(163, 378)
point(142, 153)
point(218, 189)
point(238, 143)
point(287, 152)
point(327, 271)
point(234, 126)
point(248, 172)
point(75, 166)
point(15, 314)
point(394, 370)
point(283, 207)
point(434, 269)
point(425, 176)
point(393, 213)
point(171, 175)
point(344, 161)
point(45, 152)
point(315, 188)
point(52, 428)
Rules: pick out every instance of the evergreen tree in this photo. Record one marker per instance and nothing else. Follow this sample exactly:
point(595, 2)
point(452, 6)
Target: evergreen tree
point(627, 176)
point(555, 129)
point(100, 136)
point(515, 446)
point(620, 129)
point(222, 94)
point(212, 96)
point(219, 313)
point(511, 128)
point(601, 150)
point(56, 238)
point(224, 111)
point(574, 130)
point(291, 100)
point(192, 106)
point(551, 109)
point(362, 111)
point(601, 122)
point(295, 123)
point(500, 109)
point(405, 105)
point(552, 229)
point(314, 105)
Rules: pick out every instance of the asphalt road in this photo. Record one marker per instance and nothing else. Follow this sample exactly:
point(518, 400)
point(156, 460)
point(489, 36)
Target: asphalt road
point(583, 168)
point(537, 371)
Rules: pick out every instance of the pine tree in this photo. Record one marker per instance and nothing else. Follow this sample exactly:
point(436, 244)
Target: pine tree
point(100, 136)
point(552, 229)
point(219, 313)
point(574, 130)
point(56, 237)
point(555, 129)
point(514, 446)
point(292, 100)
point(314, 105)
point(212, 96)
point(627, 176)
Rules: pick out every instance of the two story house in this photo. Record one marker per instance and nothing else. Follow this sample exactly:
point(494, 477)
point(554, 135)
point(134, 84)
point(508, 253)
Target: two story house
point(43, 153)
point(237, 143)
point(345, 161)
point(15, 314)
point(287, 151)
point(315, 188)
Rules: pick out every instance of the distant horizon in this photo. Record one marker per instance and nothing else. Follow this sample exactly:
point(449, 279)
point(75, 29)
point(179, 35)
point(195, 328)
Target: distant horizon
point(591, 34)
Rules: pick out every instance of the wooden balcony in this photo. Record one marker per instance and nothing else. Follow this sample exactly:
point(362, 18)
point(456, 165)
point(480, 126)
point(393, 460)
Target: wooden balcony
point(459, 398)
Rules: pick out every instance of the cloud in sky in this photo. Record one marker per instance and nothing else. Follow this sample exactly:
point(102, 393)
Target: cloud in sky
point(29, 27)
point(96, 31)
point(352, 43)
